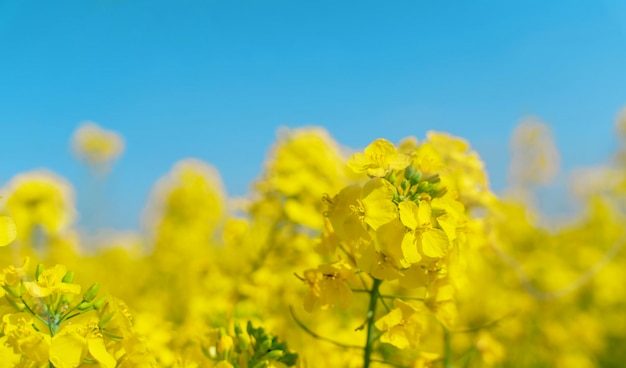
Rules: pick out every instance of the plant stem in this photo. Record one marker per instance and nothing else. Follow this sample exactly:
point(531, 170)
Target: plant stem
point(371, 310)
point(447, 348)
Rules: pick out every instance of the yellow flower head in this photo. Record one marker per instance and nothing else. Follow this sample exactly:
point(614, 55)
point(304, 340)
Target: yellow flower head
point(95, 145)
point(24, 339)
point(12, 276)
point(51, 282)
point(187, 204)
point(378, 159)
point(401, 326)
point(39, 199)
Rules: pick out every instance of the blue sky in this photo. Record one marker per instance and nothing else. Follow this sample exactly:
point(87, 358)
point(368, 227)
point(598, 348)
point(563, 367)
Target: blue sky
point(215, 79)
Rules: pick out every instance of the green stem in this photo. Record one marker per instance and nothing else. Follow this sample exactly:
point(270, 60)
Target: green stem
point(447, 348)
point(371, 310)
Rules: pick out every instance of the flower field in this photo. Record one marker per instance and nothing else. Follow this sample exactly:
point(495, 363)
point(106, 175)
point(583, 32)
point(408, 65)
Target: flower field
point(393, 255)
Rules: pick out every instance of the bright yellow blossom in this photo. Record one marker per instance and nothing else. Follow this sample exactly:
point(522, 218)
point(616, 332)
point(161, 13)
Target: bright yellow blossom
point(51, 282)
point(378, 159)
point(401, 326)
point(433, 242)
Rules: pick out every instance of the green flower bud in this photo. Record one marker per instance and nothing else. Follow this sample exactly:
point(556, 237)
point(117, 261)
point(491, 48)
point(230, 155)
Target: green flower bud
point(408, 172)
point(265, 345)
point(69, 277)
point(289, 359)
point(404, 184)
point(440, 192)
point(91, 293)
point(392, 177)
point(261, 364)
point(415, 178)
point(99, 302)
point(104, 320)
point(273, 355)
point(423, 187)
point(85, 306)
point(433, 179)
point(39, 270)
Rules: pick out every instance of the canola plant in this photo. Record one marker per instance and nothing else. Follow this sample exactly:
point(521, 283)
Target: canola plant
point(399, 255)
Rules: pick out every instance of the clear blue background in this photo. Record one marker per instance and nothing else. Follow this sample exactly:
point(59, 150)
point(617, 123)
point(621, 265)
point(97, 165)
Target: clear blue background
point(215, 79)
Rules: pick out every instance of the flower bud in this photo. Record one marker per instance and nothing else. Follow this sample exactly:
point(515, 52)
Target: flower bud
point(265, 345)
point(69, 277)
point(273, 355)
point(408, 172)
point(225, 344)
point(433, 179)
point(85, 306)
point(38, 271)
point(415, 178)
point(91, 293)
point(99, 302)
point(104, 320)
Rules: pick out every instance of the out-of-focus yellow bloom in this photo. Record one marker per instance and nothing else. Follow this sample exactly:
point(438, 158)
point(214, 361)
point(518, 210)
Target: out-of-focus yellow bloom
point(51, 282)
point(95, 145)
point(302, 166)
point(39, 199)
point(535, 157)
point(187, 204)
point(11, 277)
point(490, 349)
point(8, 231)
point(378, 159)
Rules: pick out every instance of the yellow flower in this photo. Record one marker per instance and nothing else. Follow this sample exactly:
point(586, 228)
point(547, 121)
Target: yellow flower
point(401, 326)
point(378, 159)
point(328, 286)
point(96, 145)
point(12, 276)
point(377, 203)
point(39, 199)
point(51, 282)
point(76, 342)
point(25, 340)
point(433, 242)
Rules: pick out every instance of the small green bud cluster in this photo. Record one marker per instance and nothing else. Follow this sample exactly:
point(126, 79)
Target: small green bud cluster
point(413, 185)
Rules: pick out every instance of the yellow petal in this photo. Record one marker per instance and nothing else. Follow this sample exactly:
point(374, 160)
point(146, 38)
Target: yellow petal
point(434, 243)
point(8, 231)
point(67, 350)
point(389, 237)
point(409, 214)
point(359, 163)
point(409, 248)
point(393, 318)
point(397, 337)
point(378, 202)
point(35, 290)
point(100, 353)
point(424, 213)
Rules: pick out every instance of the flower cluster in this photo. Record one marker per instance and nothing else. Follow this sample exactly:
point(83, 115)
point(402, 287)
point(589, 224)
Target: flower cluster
point(396, 255)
